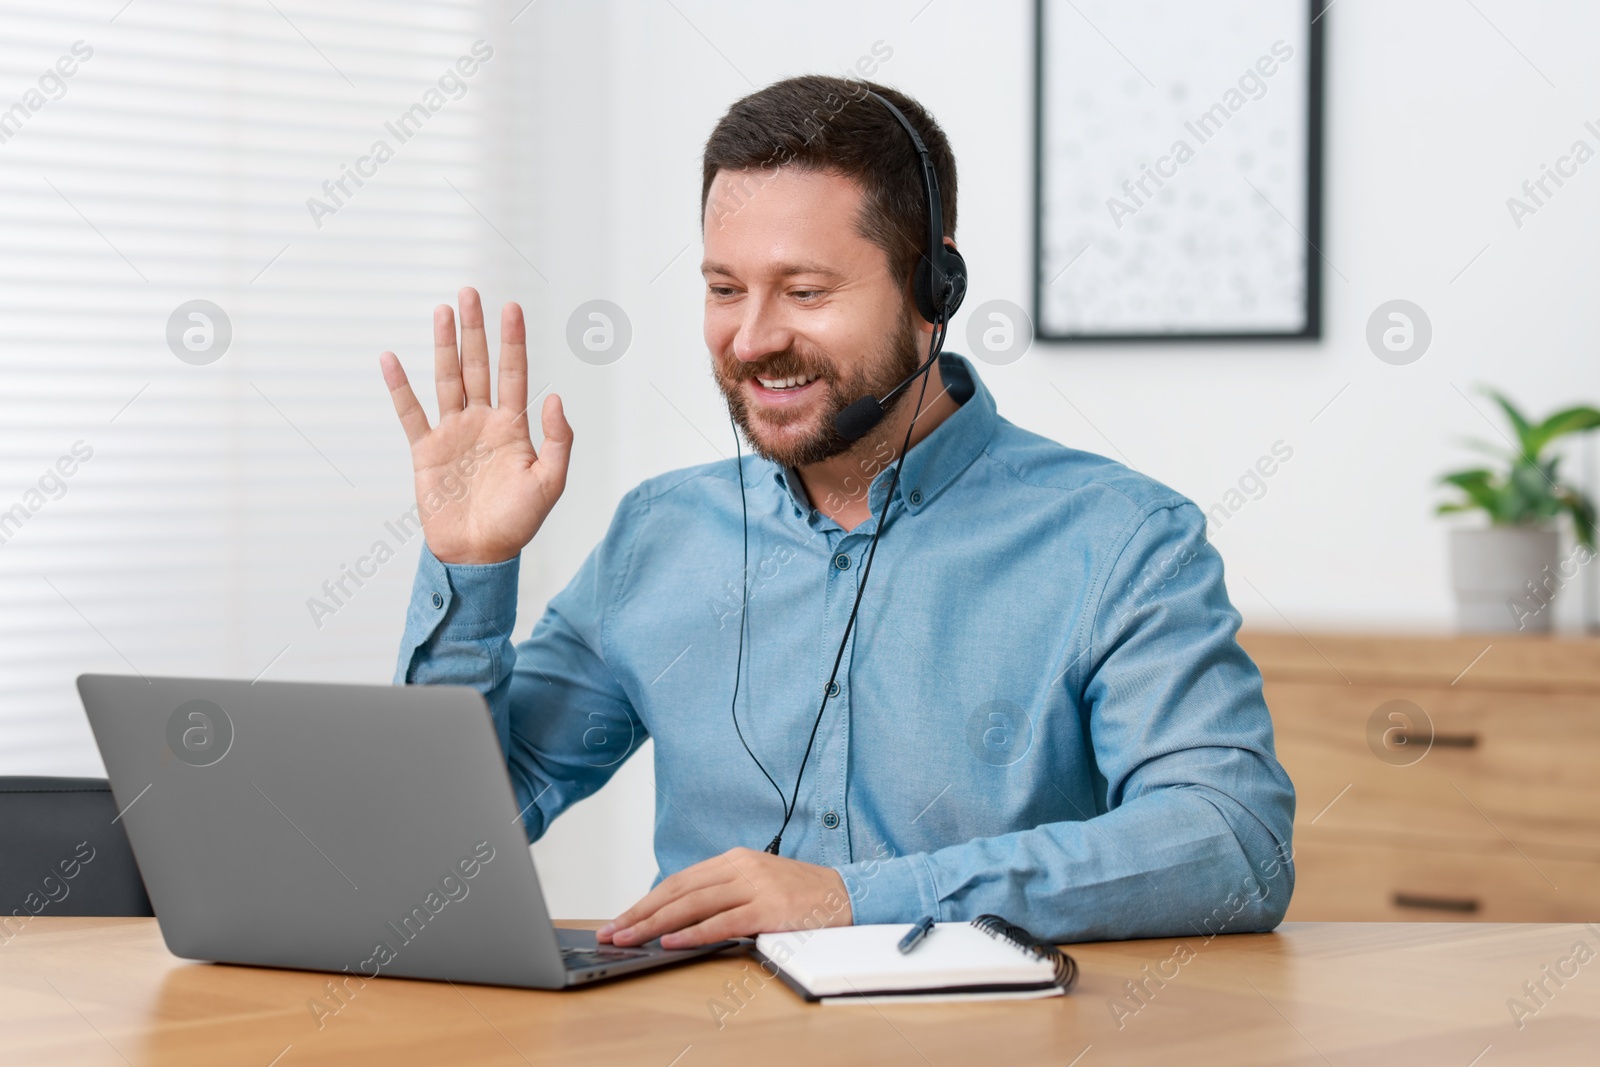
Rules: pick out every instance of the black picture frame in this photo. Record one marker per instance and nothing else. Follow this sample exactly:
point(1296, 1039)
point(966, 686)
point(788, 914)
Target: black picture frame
point(1313, 229)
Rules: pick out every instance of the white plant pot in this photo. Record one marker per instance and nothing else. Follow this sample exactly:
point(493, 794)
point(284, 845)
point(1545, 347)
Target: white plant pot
point(1504, 578)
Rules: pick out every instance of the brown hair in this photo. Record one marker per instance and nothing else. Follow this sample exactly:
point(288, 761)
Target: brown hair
point(823, 123)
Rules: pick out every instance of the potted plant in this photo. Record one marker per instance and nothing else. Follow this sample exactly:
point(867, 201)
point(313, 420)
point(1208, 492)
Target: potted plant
point(1505, 575)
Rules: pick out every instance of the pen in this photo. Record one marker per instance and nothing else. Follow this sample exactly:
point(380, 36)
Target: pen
point(915, 935)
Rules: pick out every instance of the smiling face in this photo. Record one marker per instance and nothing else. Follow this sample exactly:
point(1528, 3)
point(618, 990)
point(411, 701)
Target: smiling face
point(802, 316)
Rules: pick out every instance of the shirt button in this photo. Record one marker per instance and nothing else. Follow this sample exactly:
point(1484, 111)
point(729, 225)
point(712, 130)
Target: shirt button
point(916, 496)
point(438, 601)
point(833, 689)
point(830, 820)
point(842, 561)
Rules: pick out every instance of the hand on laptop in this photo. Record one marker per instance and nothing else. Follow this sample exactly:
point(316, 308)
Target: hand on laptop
point(740, 893)
point(482, 490)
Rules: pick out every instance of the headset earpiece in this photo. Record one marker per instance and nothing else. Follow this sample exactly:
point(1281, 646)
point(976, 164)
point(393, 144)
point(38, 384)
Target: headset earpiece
point(941, 286)
point(939, 282)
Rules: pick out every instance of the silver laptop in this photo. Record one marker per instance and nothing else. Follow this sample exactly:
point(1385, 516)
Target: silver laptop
point(367, 830)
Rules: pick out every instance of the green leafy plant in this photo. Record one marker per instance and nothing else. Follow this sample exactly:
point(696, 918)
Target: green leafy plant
point(1527, 491)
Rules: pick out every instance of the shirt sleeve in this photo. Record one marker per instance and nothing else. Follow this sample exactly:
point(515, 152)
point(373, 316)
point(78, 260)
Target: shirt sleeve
point(1194, 833)
point(563, 721)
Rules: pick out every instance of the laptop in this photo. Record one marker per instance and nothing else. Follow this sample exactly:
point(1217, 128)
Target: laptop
point(359, 829)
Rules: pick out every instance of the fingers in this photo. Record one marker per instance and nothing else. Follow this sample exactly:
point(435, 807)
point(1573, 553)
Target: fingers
point(513, 359)
point(474, 347)
point(557, 447)
point(412, 418)
point(738, 893)
point(741, 921)
point(684, 881)
point(707, 872)
point(687, 910)
point(446, 361)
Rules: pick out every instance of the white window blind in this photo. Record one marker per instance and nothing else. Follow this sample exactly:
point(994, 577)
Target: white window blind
point(163, 515)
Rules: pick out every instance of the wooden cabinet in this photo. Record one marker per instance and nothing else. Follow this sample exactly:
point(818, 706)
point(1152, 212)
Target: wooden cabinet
point(1448, 778)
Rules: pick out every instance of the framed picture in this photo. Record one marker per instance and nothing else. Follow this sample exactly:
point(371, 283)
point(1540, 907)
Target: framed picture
point(1178, 170)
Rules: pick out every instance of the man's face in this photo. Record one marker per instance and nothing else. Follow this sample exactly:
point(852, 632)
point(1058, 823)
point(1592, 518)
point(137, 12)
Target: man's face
point(802, 316)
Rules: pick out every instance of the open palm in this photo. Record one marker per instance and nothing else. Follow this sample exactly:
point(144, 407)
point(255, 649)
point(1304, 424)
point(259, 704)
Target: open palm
point(482, 489)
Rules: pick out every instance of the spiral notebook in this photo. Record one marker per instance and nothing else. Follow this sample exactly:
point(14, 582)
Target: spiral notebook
point(986, 959)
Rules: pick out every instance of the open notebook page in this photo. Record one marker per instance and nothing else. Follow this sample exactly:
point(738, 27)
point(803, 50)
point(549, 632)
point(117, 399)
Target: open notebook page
point(859, 959)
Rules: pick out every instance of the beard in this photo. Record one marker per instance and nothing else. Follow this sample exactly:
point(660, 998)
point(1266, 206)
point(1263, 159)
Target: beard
point(800, 438)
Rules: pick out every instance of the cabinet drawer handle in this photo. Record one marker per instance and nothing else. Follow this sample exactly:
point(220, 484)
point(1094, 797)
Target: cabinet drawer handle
point(1445, 740)
point(1466, 905)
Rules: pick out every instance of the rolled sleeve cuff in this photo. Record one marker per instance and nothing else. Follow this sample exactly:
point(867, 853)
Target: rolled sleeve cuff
point(898, 890)
point(458, 602)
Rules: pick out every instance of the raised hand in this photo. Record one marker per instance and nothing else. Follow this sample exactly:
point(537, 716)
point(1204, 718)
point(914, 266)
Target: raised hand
point(482, 490)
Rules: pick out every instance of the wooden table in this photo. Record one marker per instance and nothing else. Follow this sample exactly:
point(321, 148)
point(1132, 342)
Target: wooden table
point(106, 991)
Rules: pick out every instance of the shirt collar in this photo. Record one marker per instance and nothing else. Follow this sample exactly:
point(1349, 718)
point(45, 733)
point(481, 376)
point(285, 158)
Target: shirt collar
point(935, 461)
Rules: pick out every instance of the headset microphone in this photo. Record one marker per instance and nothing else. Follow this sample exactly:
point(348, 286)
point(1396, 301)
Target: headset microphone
point(854, 422)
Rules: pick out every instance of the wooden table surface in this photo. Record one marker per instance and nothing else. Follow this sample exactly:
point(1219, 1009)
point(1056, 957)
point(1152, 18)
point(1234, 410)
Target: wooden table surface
point(106, 991)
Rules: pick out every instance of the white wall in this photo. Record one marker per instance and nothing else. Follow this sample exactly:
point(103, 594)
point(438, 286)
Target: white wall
point(1433, 120)
point(595, 114)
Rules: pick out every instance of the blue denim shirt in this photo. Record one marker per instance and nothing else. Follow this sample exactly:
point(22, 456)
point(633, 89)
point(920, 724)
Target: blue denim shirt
point(1043, 711)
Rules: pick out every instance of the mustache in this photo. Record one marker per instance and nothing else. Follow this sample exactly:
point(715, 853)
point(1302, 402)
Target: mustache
point(778, 368)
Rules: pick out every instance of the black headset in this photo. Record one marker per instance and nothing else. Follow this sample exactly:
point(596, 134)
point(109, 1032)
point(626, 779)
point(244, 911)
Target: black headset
point(940, 281)
point(938, 285)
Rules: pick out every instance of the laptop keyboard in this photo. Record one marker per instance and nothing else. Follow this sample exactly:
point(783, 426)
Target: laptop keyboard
point(577, 959)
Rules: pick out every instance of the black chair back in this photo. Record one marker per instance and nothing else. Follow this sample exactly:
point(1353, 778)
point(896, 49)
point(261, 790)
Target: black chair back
point(61, 853)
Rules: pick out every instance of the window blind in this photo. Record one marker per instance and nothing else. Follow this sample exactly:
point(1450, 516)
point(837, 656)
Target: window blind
point(212, 218)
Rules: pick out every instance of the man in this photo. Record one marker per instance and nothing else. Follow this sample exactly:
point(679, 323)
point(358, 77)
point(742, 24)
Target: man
point(1041, 710)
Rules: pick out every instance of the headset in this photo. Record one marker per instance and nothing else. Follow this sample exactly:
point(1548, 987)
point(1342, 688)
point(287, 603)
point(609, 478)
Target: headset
point(938, 284)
